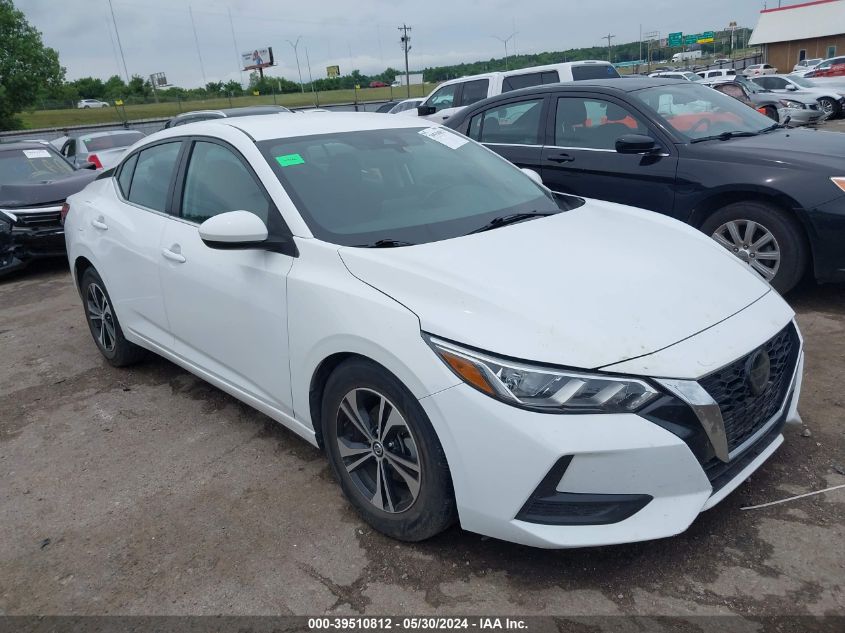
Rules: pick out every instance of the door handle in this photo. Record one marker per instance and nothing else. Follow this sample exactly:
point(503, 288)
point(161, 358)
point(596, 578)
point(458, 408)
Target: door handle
point(173, 255)
point(561, 157)
point(100, 224)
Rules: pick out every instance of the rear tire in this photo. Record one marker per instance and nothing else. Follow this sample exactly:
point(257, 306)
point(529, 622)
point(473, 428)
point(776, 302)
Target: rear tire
point(389, 462)
point(786, 237)
point(831, 107)
point(103, 323)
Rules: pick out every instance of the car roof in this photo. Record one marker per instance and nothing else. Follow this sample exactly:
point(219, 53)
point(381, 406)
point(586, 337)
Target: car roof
point(262, 128)
point(233, 112)
point(527, 70)
point(620, 84)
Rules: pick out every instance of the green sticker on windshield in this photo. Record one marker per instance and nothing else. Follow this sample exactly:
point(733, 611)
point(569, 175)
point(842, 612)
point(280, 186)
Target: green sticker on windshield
point(290, 159)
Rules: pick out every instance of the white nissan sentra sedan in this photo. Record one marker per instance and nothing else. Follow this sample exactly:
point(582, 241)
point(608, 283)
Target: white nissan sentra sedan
point(464, 344)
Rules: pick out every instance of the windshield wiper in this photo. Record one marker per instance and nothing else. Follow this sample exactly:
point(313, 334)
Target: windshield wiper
point(504, 220)
point(724, 136)
point(388, 243)
point(775, 126)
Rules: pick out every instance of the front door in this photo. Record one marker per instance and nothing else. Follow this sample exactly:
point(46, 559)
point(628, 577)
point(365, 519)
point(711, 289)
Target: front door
point(580, 156)
point(227, 308)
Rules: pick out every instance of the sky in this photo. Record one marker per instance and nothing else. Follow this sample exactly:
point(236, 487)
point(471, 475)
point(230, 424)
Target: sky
point(158, 35)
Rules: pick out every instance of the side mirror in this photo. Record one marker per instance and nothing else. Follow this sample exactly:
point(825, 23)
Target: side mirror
point(792, 87)
point(425, 110)
point(635, 144)
point(87, 165)
point(533, 175)
point(232, 230)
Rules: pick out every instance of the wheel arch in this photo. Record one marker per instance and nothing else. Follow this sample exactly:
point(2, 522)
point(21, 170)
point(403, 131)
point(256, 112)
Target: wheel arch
point(318, 385)
point(80, 265)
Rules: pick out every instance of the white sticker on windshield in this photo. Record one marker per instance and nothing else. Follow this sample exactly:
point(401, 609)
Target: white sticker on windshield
point(444, 136)
point(36, 153)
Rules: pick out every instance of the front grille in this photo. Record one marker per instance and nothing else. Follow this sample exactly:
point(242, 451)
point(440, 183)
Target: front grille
point(744, 413)
point(38, 219)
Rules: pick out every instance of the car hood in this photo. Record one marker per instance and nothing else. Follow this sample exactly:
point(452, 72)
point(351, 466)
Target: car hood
point(822, 152)
point(26, 195)
point(584, 288)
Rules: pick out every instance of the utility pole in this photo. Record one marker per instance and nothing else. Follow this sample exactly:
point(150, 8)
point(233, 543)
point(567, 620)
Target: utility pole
point(237, 51)
point(505, 42)
point(197, 41)
point(609, 37)
point(119, 45)
point(405, 40)
point(296, 54)
point(311, 78)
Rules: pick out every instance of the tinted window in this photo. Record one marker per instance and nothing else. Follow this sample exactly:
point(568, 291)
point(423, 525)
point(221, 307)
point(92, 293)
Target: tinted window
point(69, 148)
point(776, 83)
point(29, 166)
point(217, 182)
point(125, 176)
point(153, 173)
point(354, 188)
point(516, 82)
point(99, 143)
point(444, 97)
point(514, 123)
point(593, 123)
point(593, 71)
point(474, 91)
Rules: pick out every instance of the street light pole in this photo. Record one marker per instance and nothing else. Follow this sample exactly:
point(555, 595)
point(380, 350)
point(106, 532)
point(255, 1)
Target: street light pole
point(296, 54)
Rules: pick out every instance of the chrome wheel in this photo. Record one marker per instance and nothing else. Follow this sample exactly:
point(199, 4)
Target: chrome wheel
point(101, 317)
point(378, 450)
point(827, 105)
point(753, 243)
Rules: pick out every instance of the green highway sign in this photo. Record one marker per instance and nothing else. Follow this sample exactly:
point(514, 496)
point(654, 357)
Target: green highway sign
point(674, 39)
point(691, 39)
point(706, 37)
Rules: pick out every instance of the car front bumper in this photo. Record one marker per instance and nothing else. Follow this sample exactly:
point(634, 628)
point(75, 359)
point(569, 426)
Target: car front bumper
point(559, 481)
point(32, 235)
point(801, 116)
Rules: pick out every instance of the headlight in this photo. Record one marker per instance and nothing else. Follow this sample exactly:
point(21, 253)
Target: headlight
point(789, 103)
point(546, 389)
point(839, 181)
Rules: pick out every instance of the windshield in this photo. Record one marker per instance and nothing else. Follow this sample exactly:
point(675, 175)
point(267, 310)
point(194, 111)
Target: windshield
point(800, 81)
point(30, 166)
point(109, 141)
point(411, 185)
point(695, 111)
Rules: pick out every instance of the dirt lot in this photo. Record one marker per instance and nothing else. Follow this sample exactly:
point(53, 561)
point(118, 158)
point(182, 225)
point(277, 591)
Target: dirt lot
point(147, 491)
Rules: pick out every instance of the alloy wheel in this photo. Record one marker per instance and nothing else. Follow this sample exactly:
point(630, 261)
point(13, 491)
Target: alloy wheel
point(753, 243)
point(827, 106)
point(101, 317)
point(378, 450)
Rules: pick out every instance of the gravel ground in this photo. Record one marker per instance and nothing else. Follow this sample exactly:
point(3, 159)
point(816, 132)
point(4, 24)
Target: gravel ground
point(147, 491)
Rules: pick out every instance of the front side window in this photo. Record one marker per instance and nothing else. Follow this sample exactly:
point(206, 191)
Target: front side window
point(444, 97)
point(474, 91)
point(153, 174)
point(593, 123)
point(513, 123)
point(695, 111)
point(412, 185)
point(31, 166)
point(217, 182)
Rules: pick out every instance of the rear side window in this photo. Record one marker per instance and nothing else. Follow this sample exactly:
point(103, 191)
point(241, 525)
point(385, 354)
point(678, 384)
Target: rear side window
point(474, 91)
point(594, 71)
point(153, 173)
point(511, 124)
point(515, 82)
point(125, 177)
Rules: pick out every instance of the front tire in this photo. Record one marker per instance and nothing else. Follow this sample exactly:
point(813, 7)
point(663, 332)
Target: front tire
point(385, 453)
point(767, 239)
point(103, 323)
point(830, 107)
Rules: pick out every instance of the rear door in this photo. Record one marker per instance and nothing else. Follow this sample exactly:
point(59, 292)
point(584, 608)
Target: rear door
point(580, 154)
point(514, 129)
point(127, 234)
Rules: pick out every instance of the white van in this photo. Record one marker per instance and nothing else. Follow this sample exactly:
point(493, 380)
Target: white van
point(716, 72)
point(452, 95)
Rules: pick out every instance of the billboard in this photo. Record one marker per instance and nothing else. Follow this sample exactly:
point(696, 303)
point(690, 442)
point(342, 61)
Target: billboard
point(332, 71)
point(159, 80)
point(257, 58)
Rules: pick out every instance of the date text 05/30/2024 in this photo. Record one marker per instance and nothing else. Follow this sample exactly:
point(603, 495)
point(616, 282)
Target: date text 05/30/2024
point(423, 623)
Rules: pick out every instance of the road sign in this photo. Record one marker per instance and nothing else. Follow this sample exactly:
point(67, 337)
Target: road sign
point(674, 39)
point(705, 38)
point(332, 71)
point(691, 39)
